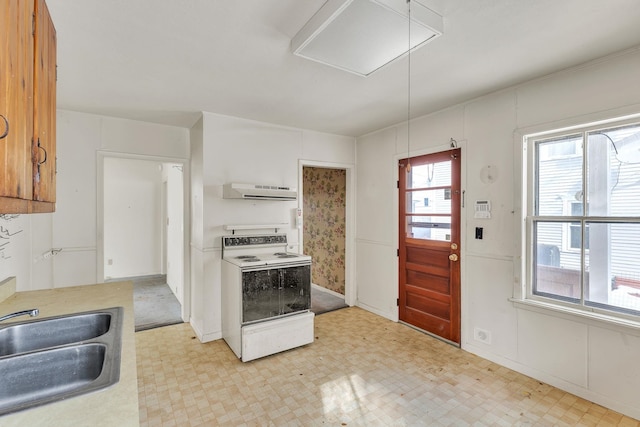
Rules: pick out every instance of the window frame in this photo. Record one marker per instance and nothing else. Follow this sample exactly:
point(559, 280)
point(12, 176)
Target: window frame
point(524, 289)
point(567, 228)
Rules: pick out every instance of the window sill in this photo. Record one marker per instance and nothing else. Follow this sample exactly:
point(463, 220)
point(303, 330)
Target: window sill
point(591, 317)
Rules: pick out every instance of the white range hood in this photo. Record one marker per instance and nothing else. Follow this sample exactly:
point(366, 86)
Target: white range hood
point(258, 192)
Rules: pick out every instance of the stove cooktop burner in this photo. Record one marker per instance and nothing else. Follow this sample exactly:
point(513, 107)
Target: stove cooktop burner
point(284, 255)
point(248, 257)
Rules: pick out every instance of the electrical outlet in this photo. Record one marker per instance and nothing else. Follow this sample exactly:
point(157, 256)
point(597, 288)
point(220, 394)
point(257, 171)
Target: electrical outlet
point(482, 335)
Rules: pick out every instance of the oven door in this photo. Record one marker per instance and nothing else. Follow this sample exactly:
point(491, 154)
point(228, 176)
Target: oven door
point(275, 291)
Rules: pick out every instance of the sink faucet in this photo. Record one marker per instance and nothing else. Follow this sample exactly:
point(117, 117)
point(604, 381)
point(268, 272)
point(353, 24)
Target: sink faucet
point(33, 313)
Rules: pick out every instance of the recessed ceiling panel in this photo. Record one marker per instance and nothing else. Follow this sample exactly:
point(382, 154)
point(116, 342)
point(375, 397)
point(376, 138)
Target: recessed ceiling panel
point(361, 36)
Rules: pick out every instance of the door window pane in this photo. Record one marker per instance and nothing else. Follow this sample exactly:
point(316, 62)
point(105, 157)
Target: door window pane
point(429, 227)
point(430, 175)
point(429, 201)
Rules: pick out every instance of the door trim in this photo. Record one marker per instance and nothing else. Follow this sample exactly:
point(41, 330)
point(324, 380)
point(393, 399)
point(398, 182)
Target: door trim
point(350, 293)
point(462, 145)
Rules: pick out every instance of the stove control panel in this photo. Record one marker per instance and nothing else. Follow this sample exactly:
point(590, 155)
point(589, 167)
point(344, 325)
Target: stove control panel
point(239, 241)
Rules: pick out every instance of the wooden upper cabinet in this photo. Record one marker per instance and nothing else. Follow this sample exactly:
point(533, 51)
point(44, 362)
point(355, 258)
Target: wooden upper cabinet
point(16, 98)
point(27, 107)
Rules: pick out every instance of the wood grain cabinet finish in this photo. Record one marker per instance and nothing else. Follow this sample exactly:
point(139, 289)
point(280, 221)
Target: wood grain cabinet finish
point(27, 107)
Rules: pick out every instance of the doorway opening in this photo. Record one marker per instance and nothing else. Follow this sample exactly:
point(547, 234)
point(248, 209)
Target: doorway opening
point(429, 243)
point(325, 232)
point(142, 223)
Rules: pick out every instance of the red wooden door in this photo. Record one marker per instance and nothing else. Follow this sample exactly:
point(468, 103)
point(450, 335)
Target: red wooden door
point(429, 251)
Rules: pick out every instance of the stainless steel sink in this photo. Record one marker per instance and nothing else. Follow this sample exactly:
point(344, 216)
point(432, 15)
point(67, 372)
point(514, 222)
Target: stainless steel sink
point(55, 358)
point(52, 331)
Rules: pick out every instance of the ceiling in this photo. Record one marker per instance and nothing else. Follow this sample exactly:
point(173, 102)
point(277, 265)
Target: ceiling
point(165, 61)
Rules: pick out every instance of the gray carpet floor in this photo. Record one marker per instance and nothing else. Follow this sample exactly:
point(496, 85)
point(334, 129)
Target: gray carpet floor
point(154, 305)
point(323, 302)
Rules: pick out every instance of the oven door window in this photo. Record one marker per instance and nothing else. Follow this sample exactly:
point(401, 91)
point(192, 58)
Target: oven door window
point(275, 292)
point(296, 289)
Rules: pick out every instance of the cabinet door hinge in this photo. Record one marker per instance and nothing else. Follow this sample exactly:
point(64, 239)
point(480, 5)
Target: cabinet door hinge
point(33, 24)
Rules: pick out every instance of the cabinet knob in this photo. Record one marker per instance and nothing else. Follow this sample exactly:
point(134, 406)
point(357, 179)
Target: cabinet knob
point(6, 127)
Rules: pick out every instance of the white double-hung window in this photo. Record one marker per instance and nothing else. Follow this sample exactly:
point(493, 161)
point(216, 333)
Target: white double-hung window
point(583, 218)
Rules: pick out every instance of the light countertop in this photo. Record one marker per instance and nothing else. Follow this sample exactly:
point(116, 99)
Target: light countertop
point(113, 406)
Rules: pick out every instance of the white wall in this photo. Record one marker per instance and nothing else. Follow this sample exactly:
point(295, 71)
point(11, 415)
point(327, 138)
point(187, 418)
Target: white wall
point(201, 288)
point(587, 357)
point(15, 240)
point(173, 177)
point(73, 227)
point(227, 149)
point(132, 218)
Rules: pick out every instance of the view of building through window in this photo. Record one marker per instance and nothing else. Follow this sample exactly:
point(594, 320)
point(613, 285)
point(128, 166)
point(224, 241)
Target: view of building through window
point(585, 222)
point(429, 201)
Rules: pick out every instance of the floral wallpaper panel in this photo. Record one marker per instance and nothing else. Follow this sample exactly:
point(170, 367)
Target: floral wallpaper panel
point(324, 196)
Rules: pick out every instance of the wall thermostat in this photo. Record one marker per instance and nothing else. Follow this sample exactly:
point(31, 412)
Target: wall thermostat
point(483, 209)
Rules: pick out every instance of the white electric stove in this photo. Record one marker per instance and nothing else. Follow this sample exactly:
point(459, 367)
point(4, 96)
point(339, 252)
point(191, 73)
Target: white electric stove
point(266, 296)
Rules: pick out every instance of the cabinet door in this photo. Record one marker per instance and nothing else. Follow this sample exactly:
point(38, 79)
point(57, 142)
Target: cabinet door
point(16, 98)
point(44, 146)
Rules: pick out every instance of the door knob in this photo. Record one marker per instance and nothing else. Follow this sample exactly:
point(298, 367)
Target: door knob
point(454, 246)
point(453, 257)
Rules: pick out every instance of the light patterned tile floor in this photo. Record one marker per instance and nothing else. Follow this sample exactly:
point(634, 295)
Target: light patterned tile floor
point(362, 370)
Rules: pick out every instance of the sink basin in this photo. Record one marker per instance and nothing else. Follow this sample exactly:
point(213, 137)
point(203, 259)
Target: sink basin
point(45, 376)
point(53, 331)
point(51, 359)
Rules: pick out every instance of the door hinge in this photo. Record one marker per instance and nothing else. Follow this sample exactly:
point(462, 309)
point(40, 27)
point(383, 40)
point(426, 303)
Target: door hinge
point(398, 184)
point(397, 252)
point(398, 302)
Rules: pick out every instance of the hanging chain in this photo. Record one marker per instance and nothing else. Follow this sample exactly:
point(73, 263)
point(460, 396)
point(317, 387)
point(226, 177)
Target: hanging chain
point(409, 90)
